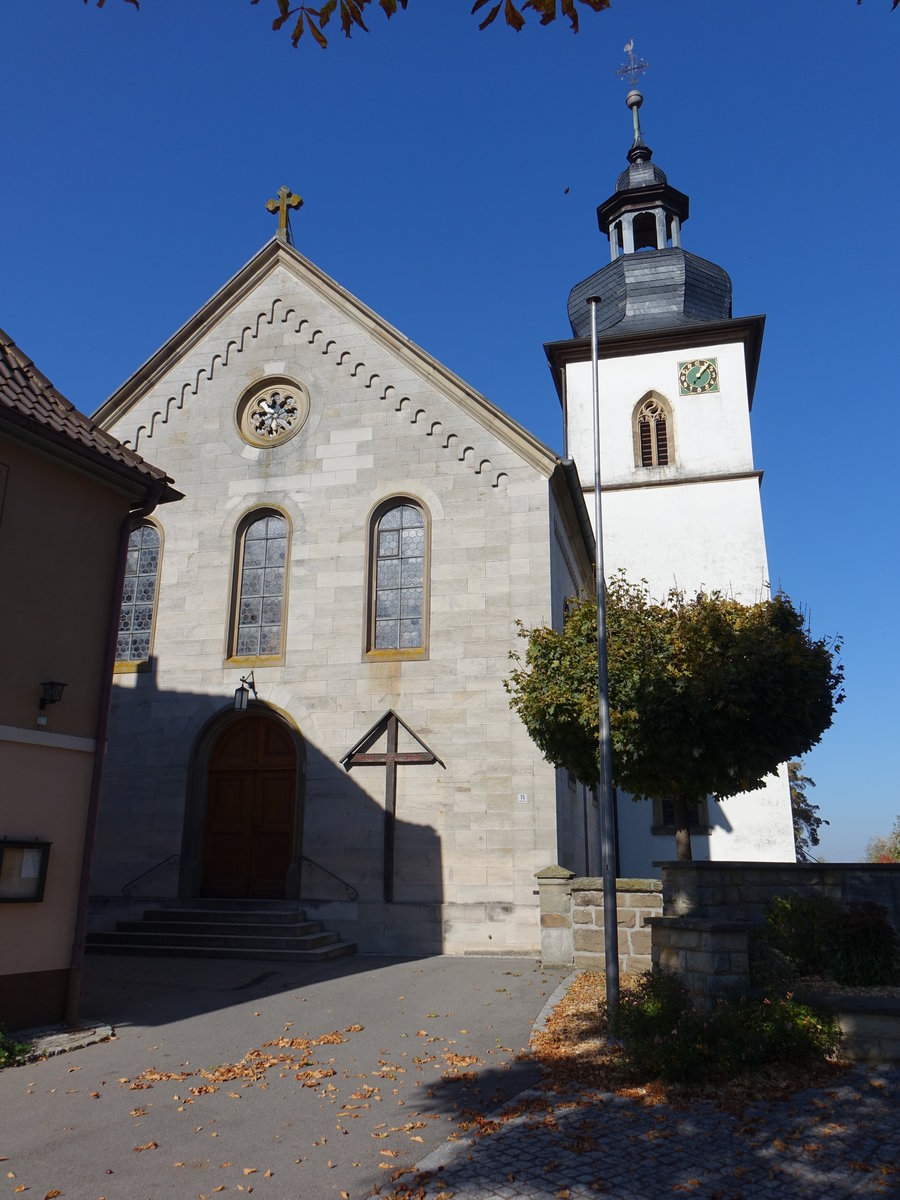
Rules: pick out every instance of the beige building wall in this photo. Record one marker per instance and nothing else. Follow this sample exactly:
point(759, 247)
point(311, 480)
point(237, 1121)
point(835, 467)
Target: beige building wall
point(59, 535)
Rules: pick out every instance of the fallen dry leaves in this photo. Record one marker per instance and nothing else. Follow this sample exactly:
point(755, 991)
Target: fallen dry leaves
point(574, 1053)
point(290, 1054)
point(576, 1056)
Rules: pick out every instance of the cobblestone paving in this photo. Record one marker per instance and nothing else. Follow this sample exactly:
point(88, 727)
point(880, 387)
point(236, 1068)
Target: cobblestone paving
point(824, 1143)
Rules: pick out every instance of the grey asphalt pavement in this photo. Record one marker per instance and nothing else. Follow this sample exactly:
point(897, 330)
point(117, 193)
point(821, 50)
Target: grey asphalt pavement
point(364, 1075)
point(191, 1099)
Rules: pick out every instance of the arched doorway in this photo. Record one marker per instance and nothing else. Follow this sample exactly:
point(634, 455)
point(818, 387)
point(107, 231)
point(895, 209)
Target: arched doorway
point(249, 828)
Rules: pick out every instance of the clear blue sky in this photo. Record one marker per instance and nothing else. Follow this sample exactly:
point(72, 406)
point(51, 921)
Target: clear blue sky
point(450, 180)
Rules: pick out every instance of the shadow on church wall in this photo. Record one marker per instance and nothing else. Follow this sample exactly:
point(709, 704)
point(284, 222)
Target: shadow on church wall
point(154, 824)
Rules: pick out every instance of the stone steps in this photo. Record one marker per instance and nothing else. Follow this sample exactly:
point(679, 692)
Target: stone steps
point(223, 929)
point(214, 928)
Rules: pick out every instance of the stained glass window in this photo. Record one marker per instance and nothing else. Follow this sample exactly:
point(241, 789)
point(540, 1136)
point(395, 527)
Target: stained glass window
point(260, 602)
point(138, 595)
point(399, 563)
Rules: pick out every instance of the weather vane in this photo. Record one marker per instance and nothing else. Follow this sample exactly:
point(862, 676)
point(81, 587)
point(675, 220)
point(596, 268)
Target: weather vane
point(634, 68)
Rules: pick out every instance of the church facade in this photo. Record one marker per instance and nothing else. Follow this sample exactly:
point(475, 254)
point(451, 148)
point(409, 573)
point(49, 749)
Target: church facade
point(309, 697)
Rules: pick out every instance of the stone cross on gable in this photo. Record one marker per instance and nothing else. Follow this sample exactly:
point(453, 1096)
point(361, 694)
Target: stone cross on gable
point(286, 199)
point(392, 758)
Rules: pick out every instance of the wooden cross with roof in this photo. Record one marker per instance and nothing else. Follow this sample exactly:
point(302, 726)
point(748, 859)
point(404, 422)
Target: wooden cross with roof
point(392, 758)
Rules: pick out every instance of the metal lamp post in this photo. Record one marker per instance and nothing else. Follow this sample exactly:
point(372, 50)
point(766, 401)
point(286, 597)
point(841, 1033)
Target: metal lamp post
point(607, 813)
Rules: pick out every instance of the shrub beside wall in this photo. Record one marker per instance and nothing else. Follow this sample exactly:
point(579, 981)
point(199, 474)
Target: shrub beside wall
point(713, 913)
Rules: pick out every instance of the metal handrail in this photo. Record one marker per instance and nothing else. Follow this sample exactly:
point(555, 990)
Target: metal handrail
point(352, 893)
point(173, 859)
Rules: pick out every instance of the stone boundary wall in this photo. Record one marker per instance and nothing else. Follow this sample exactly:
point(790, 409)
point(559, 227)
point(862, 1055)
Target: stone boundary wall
point(711, 909)
point(572, 928)
point(741, 891)
point(711, 958)
point(870, 1024)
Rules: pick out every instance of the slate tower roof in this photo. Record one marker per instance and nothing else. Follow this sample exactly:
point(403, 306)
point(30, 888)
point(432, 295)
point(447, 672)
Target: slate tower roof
point(650, 281)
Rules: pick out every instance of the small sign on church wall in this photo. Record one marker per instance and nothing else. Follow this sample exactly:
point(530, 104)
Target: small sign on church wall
point(23, 871)
point(522, 797)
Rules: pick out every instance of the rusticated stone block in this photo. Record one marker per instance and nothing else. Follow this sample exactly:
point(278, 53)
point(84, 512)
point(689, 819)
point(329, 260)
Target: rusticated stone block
point(640, 941)
point(589, 939)
point(670, 959)
point(719, 940)
point(684, 939)
point(583, 916)
point(709, 962)
point(639, 885)
point(591, 961)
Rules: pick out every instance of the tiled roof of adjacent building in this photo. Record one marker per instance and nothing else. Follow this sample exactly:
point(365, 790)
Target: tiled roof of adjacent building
point(31, 404)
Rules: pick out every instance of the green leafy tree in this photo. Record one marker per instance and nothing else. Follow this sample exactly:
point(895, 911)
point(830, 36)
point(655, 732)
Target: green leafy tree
point(885, 849)
point(805, 814)
point(706, 695)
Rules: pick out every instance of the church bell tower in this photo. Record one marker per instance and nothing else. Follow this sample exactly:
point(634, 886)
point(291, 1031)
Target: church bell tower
point(680, 493)
point(676, 376)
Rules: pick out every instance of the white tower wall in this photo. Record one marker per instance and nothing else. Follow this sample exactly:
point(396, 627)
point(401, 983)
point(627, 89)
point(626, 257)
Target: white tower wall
point(695, 523)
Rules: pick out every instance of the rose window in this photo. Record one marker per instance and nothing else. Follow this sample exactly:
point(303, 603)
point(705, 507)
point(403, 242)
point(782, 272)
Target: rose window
point(270, 413)
point(274, 414)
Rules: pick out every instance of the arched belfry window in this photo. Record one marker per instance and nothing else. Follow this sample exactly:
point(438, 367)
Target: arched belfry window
point(398, 580)
point(258, 593)
point(654, 444)
point(645, 231)
point(139, 589)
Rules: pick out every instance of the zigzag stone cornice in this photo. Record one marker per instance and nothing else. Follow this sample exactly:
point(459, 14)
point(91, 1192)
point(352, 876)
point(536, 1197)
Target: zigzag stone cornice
point(460, 448)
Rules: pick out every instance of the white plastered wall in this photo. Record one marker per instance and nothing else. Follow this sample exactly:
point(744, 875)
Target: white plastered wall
point(694, 524)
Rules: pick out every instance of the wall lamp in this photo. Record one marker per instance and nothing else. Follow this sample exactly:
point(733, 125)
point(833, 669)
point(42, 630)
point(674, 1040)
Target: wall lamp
point(51, 693)
point(242, 693)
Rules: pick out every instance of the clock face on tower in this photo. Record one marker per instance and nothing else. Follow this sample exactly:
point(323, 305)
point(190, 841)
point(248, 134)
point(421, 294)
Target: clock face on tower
point(698, 375)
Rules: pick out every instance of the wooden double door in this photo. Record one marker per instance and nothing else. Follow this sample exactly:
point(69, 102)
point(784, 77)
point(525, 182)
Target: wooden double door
point(250, 810)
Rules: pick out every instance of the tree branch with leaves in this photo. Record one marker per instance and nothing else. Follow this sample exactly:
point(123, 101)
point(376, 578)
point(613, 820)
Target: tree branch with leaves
point(351, 14)
point(885, 849)
point(707, 696)
point(805, 814)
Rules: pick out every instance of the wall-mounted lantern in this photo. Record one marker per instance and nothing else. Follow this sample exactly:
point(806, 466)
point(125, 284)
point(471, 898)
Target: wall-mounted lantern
point(242, 693)
point(51, 693)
